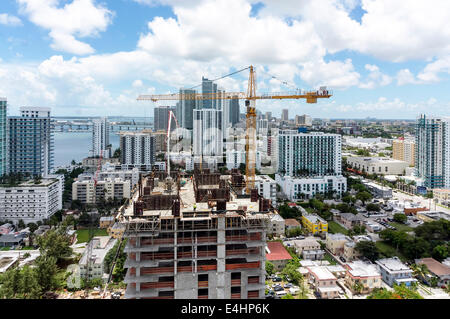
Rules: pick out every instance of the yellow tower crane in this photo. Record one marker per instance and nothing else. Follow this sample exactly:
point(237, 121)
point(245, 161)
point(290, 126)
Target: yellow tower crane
point(250, 98)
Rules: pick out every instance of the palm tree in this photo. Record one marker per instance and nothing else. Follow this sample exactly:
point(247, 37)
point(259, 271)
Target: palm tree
point(420, 271)
point(357, 287)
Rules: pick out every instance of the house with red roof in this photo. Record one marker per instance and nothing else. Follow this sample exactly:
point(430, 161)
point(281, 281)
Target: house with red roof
point(277, 255)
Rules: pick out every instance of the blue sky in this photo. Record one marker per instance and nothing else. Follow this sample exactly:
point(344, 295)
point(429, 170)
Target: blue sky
point(90, 57)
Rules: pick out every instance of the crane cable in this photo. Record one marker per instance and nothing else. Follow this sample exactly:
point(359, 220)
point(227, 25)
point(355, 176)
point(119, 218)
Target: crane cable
point(222, 77)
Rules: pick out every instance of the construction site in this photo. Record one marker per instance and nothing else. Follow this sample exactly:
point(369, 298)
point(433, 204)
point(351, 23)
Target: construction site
point(195, 237)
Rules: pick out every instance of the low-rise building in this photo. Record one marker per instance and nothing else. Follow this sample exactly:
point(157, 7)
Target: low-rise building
point(291, 223)
point(267, 187)
point(86, 192)
point(101, 246)
point(277, 225)
point(314, 224)
point(335, 243)
point(441, 195)
point(378, 190)
point(296, 188)
point(362, 277)
point(377, 165)
point(106, 221)
point(277, 255)
point(309, 243)
point(437, 269)
point(12, 240)
point(430, 216)
point(350, 252)
point(393, 271)
point(6, 228)
point(316, 254)
point(349, 220)
point(30, 201)
point(116, 231)
point(325, 283)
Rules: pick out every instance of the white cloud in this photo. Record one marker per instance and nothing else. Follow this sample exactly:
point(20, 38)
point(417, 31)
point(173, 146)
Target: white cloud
point(335, 74)
point(9, 20)
point(431, 71)
point(375, 78)
point(77, 19)
point(405, 76)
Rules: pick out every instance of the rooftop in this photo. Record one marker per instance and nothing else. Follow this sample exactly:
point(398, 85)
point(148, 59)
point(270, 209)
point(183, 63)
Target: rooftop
point(361, 269)
point(276, 251)
point(393, 264)
point(321, 273)
point(435, 266)
point(291, 222)
point(314, 218)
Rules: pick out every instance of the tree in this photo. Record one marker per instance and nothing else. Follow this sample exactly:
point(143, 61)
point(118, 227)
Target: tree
point(373, 207)
point(55, 243)
point(117, 153)
point(29, 287)
point(364, 196)
point(368, 249)
point(11, 284)
point(291, 271)
point(21, 224)
point(400, 218)
point(288, 296)
point(269, 268)
point(420, 270)
point(297, 231)
point(32, 227)
point(46, 270)
point(399, 292)
point(357, 287)
point(440, 252)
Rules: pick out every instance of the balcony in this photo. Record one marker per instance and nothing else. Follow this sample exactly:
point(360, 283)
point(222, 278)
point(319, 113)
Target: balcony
point(157, 270)
point(253, 294)
point(242, 252)
point(153, 285)
point(253, 280)
point(251, 237)
point(190, 254)
point(197, 240)
point(236, 296)
point(203, 297)
point(199, 268)
point(252, 265)
point(203, 284)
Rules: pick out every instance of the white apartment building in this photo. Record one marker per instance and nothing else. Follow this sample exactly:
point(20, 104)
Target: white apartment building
point(276, 226)
point(393, 271)
point(86, 193)
point(235, 158)
point(304, 120)
point(309, 154)
point(378, 165)
point(207, 133)
point(32, 202)
point(137, 149)
point(100, 138)
point(303, 188)
point(101, 246)
point(109, 172)
point(267, 187)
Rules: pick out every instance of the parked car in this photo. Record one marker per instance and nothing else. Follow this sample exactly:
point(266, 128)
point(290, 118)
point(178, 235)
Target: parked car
point(276, 279)
point(278, 288)
point(281, 293)
point(288, 285)
point(342, 259)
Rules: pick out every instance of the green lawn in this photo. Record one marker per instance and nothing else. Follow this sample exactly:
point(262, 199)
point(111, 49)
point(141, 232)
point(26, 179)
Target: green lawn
point(83, 234)
point(388, 250)
point(401, 227)
point(330, 259)
point(335, 228)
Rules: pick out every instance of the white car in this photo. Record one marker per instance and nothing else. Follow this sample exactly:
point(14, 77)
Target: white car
point(281, 293)
point(294, 291)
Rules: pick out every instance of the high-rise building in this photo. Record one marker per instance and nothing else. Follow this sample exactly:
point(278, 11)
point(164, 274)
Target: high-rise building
point(234, 111)
point(30, 142)
point(305, 120)
point(100, 138)
point(309, 154)
point(268, 116)
point(190, 250)
point(186, 109)
point(161, 118)
point(309, 164)
point(404, 150)
point(209, 87)
point(3, 137)
point(207, 134)
point(137, 149)
point(285, 115)
point(432, 160)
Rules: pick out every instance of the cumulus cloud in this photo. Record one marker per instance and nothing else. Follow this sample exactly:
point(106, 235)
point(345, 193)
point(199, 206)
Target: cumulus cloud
point(77, 19)
point(10, 20)
point(375, 78)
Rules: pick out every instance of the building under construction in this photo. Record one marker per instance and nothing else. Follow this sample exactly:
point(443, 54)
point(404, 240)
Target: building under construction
point(195, 237)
